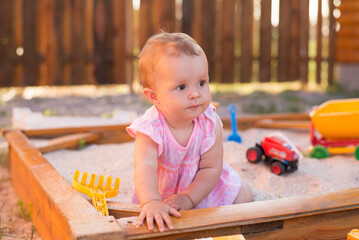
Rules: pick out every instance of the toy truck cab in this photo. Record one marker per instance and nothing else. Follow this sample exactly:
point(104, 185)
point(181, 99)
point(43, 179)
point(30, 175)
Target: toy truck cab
point(277, 152)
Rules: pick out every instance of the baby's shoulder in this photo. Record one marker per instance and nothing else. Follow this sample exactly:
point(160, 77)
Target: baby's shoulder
point(209, 116)
point(151, 114)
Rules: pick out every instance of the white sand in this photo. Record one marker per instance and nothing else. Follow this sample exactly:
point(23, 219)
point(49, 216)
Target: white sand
point(312, 177)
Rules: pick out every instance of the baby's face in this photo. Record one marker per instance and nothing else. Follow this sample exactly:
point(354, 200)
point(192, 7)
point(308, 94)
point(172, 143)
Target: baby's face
point(181, 84)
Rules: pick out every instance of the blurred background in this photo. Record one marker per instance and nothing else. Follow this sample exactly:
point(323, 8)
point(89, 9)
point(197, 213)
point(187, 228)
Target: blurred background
point(306, 43)
point(79, 58)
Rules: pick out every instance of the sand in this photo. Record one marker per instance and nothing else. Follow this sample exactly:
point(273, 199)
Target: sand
point(312, 177)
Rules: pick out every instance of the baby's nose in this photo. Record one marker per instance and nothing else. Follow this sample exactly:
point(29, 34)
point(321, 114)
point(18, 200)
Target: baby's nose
point(194, 94)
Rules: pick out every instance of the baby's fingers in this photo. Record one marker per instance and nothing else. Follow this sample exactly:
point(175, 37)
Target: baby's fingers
point(149, 220)
point(167, 220)
point(174, 212)
point(159, 222)
point(141, 218)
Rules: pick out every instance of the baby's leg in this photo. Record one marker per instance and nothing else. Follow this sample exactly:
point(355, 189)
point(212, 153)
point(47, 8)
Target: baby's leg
point(244, 194)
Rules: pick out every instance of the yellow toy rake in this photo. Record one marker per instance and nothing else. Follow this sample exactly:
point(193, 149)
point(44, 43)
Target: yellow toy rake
point(99, 193)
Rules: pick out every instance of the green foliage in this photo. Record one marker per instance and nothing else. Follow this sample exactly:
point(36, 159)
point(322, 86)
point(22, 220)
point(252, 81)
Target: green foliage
point(260, 108)
point(342, 91)
point(292, 103)
point(106, 115)
point(24, 211)
point(50, 112)
point(2, 229)
point(4, 157)
point(259, 103)
point(81, 143)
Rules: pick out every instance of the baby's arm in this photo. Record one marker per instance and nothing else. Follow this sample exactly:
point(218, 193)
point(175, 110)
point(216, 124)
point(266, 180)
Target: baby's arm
point(210, 168)
point(146, 182)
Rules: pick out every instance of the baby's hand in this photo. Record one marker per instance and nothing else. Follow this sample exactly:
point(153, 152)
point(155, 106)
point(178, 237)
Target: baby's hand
point(158, 211)
point(179, 201)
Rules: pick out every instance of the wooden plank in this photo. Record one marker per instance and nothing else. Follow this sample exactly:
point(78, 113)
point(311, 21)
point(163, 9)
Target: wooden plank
point(129, 44)
point(46, 42)
point(145, 24)
point(89, 47)
point(121, 210)
point(237, 40)
point(349, 6)
point(347, 56)
point(163, 15)
point(227, 43)
point(304, 41)
point(284, 40)
point(110, 134)
point(69, 141)
point(58, 211)
point(50, 132)
point(99, 41)
point(65, 53)
point(41, 39)
point(305, 125)
point(108, 43)
point(347, 32)
point(265, 53)
point(31, 58)
point(351, 18)
point(119, 41)
point(351, 43)
point(331, 54)
point(273, 116)
point(322, 226)
point(245, 122)
point(187, 16)
point(337, 208)
point(17, 18)
point(294, 45)
point(246, 41)
point(319, 37)
point(203, 31)
point(196, 23)
point(77, 40)
point(6, 38)
point(208, 34)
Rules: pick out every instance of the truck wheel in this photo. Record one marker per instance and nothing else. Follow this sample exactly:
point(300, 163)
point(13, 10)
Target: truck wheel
point(356, 153)
point(278, 168)
point(319, 151)
point(254, 154)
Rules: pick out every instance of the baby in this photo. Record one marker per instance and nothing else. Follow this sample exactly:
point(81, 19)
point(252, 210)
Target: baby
point(178, 160)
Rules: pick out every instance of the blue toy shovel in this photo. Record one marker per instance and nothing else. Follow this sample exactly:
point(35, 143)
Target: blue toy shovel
point(234, 136)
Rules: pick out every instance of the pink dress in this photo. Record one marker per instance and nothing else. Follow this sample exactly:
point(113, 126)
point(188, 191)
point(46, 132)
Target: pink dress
point(178, 165)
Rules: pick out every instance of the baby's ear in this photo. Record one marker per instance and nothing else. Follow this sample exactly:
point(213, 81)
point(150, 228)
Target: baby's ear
point(150, 95)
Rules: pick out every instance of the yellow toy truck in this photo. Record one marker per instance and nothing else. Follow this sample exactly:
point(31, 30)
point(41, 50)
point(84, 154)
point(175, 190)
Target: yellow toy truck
point(335, 128)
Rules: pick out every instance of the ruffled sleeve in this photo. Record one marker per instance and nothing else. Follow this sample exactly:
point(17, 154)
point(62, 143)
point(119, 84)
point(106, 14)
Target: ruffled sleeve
point(150, 125)
point(208, 122)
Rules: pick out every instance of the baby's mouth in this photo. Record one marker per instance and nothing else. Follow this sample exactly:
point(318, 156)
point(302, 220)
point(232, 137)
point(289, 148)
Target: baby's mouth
point(195, 106)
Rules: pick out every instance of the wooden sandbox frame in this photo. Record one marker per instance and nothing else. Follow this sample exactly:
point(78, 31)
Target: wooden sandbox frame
point(60, 212)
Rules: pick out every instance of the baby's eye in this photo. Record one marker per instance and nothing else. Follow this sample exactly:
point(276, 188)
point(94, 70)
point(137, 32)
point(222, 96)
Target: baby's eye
point(201, 83)
point(181, 87)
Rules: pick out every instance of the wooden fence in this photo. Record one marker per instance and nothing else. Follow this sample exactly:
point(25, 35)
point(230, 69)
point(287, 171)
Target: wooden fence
point(347, 38)
point(71, 42)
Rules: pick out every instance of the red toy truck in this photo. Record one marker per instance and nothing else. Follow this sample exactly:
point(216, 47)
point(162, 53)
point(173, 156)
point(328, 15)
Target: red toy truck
point(278, 153)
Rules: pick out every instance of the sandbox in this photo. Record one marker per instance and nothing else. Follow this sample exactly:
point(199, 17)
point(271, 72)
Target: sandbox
point(318, 210)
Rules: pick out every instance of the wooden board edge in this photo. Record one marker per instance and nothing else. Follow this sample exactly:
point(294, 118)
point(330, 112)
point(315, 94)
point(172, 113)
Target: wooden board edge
point(254, 213)
point(58, 211)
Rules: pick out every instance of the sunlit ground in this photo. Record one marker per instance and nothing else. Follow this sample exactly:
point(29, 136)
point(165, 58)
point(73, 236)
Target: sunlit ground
point(7, 94)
